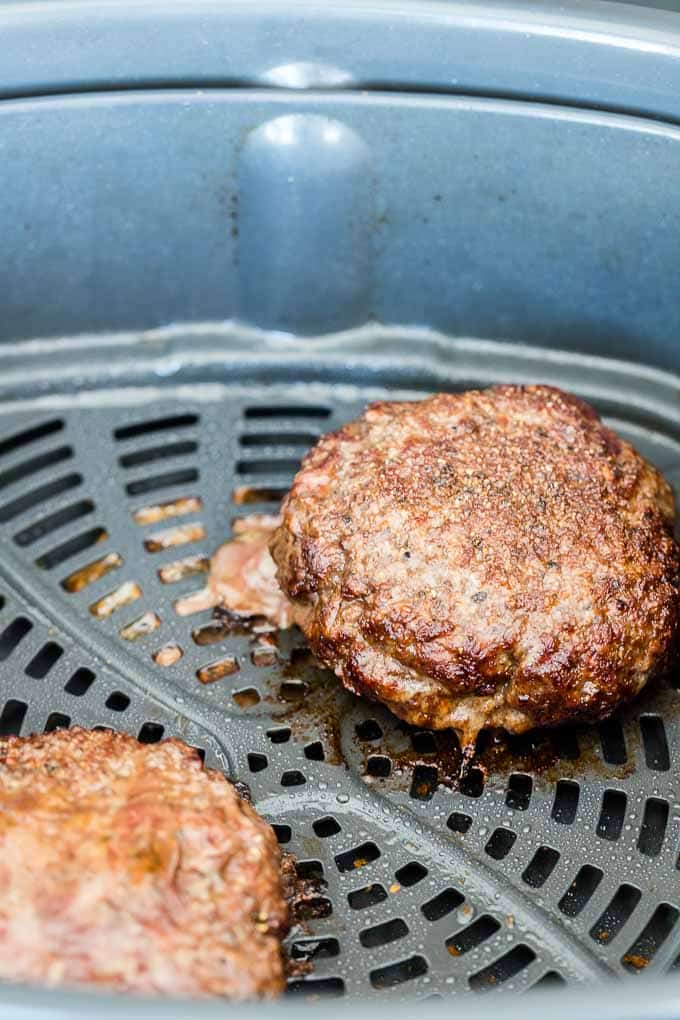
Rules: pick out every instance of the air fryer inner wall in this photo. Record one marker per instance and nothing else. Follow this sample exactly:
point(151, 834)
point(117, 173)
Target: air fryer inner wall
point(559, 865)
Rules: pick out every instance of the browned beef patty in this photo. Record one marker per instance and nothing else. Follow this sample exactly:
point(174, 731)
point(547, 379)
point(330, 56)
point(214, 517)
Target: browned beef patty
point(133, 868)
point(495, 558)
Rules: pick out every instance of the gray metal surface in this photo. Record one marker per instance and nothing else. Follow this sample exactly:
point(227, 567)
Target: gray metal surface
point(486, 169)
point(558, 865)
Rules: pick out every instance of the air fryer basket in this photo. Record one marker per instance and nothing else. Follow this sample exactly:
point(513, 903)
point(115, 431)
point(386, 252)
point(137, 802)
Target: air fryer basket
point(280, 185)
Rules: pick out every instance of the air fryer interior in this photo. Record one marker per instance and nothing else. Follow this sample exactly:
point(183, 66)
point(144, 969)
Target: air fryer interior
point(537, 212)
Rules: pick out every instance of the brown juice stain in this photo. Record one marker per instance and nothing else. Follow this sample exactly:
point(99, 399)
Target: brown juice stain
point(163, 511)
point(540, 754)
point(310, 702)
point(92, 572)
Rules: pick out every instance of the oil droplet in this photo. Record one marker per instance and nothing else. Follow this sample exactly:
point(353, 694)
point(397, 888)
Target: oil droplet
point(465, 913)
point(342, 798)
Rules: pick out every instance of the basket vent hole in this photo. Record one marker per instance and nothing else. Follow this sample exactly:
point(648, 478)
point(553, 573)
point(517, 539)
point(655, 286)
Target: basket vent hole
point(655, 743)
point(566, 802)
point(283, 833)
point(369, 729)
point(77, 544)
point(315, 949)
point(612, 815)
point(13, 635)
point(322, 988)
point(458, 822)
point(190, 566)
point(287, 411)
point(182, 476)
point(580, 890)
point(126, 593)
point(158, 512)
point(293, 690)
point(12, 717)
point(141, 627)
point(172, 538)
point(653, 829)
point(151, 733)
point(268, 466)
point(310, 871)
point(248, 697)
point(168, 655)
point(257, 440)
point(30, 500)
point(382, 934)
point(612, 919)
point(506, 967)
point(378, 765)
point(279, 734)
point(257, 762)
point(550, 980)
point(424, 742)
point(519, 790)
point(262, 657)
point(613, 742)
point(44, 660)
point(46, 525)
point(218, 670)
point(369, 896)
point(472, 784)
point(653, 935)
point(472, 936)
point(540, 867)
point(292, 777)
point(397, 973)
point(410, 874)
point(143, 428)
point(19, 439)
point(325, 827)
point(314, 909)
point(91, 572)
point(80, 682)
point(500, 843)
point(314, 751)
point(117, 702)
point(357, 857)
point(244, 495)
point(442, 904)
point(34, 464)
point(57, 721)
point(152, 453)
point(425, 781)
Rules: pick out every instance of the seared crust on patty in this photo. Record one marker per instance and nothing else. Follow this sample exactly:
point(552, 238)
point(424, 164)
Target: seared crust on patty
point(495, 558)
point(133, 868)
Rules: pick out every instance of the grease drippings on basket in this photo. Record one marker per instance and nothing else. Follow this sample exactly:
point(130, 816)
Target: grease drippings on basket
point(491, 559)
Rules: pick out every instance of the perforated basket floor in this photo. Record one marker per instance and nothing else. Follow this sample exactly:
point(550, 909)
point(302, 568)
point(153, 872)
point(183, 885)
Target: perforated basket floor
point(556, 861)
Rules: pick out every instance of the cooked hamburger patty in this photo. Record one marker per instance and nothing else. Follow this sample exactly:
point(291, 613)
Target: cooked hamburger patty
point(131, 867)
point(495, 558)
